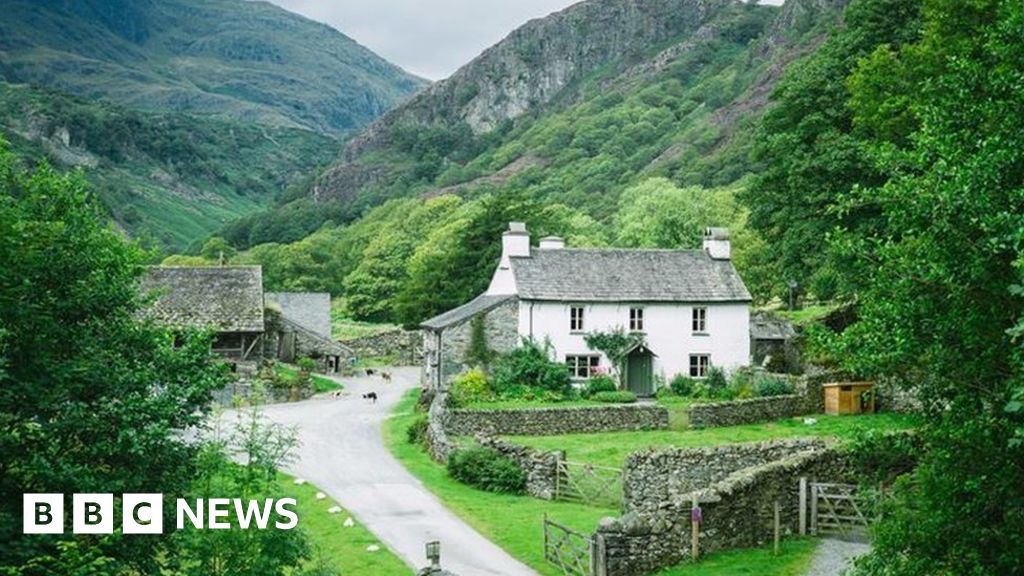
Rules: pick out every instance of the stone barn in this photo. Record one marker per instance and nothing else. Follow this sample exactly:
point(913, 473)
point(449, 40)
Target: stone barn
point(304, 329)
point(227, 299)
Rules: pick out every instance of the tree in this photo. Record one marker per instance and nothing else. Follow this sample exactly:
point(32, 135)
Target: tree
point(91, 397)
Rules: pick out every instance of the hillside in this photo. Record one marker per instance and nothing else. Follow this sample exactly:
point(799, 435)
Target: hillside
point(231, 59)
point(167, 178)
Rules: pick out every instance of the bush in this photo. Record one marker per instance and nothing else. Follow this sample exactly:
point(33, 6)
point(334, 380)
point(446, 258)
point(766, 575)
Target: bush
point(741, 384)
point(765, 385)
point(487, 469)
point(306, 364)
point(716, 381)
point(665, 392)
point(470, 387)
point(416, 433)
point(681, 385)
point(615, 397)
point(530, 366)
point(601, 383)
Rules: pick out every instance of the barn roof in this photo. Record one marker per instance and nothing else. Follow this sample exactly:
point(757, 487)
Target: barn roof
point(311, 310)
point(613, 275)
point(225, 298)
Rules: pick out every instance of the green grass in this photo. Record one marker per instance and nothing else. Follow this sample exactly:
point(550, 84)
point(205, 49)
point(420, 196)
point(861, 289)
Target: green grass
point(511, 522)
point(344, 328)
point(523, 404)
point(794, 560)
point(807, 314)
point(611, 448)
point(341, 548)
point(321, 384)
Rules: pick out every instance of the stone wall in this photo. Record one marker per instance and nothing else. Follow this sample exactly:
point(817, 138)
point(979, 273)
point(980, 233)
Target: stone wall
point(746, 411)
point(738, 511)
point(652, 477)
point(438, 444)
point(406, 346)
point(541, 467)
point(551, 421)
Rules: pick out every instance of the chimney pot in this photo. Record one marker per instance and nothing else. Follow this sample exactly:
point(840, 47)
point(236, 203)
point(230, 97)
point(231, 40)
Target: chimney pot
point(552, 243)
point(716, 243)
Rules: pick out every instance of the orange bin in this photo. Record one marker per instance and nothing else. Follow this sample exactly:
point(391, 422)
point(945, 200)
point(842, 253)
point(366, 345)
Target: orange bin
point(849, 398)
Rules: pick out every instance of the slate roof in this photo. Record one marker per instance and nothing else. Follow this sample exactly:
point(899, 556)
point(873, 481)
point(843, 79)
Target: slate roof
point(481, 303)
point(225, 298)
point(621, 275)
point(311, 310)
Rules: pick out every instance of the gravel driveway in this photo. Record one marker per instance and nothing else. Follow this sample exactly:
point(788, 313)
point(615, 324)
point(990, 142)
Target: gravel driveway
point(342, 452)
point(833, 556)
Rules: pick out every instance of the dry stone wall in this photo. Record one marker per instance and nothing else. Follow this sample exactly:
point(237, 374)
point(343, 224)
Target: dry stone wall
point(738, 510)
point(746, 411)
point(552, 421)
point(406, 346)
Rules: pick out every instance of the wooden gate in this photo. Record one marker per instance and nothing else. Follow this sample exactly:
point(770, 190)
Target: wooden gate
point(589, 484)
point(568, 549)
point(838, 509)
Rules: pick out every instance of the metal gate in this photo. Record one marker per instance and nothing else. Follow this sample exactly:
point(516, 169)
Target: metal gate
point(589, 484)
point(838, 509)
point(568, 549)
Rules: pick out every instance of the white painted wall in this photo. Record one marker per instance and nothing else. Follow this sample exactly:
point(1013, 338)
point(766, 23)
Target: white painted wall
point(667, 326)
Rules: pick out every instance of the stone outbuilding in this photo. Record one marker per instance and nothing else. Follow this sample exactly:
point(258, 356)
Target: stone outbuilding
point(446, 337)
point(301, 327)
point(227, 299)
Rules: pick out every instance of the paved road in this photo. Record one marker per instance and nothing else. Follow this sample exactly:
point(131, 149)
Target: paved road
point(834, 556)
point(342, 452)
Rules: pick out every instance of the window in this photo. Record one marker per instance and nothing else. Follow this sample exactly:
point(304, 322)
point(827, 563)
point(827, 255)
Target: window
point(699, 364)
point(636, 319)
point(582, 366)
point(576, 319)
point(700, 320)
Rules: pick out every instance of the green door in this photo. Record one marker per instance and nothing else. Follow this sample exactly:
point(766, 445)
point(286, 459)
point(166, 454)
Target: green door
point(640, 372)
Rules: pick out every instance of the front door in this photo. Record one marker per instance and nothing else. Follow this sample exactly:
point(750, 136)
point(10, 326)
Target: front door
point(640, 372)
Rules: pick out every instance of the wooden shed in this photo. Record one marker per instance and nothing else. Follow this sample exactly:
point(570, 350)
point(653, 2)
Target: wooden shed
point(849, 398)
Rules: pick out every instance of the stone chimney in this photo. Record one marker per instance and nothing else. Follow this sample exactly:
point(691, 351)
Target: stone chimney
point(716, 243)
point(515, 242)
point(552, 243)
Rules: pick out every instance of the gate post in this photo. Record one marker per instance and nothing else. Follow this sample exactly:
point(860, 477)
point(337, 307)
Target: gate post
point(814, 509)
point(803, 505)
point(598, 564)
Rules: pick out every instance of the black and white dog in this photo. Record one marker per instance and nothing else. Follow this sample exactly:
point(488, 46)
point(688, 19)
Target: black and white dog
point(371, 396)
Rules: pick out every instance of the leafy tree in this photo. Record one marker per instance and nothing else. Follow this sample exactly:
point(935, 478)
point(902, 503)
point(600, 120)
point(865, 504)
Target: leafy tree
point(658, 214)
point(940, 302)
point(217, 249)
point(91, 397)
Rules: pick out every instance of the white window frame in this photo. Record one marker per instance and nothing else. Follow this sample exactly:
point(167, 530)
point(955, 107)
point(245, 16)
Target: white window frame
point(576, 322)
point(699, 320)
point(636, 319)
point(701, 367)
point(582, 366)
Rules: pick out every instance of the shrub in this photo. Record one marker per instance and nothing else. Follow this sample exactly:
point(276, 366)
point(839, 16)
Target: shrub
point(741, 384)
point(487, 469)
point(681, 385)
point(615, 397)
point(470, 387)
point(765, 385)
point(529, 365)
point(306, 364)
point(416, 433)
point(665, 392)
point(716, 381)
point(601, 383)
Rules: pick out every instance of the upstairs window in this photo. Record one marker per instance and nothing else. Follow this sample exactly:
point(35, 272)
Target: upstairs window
point(636, 319)
point(699, 364)
point(583, 365)
point(700, 320)
point(576, 319)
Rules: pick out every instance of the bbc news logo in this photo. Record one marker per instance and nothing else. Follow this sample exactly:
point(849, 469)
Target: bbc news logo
point(143, 513)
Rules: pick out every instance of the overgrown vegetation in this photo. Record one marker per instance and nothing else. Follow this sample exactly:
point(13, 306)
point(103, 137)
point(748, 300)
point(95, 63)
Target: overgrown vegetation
point(487, 469)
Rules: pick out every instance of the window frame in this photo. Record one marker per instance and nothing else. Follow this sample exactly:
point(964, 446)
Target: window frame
point(636, 319)
point(699, 320)
point(699, 369)
point(573, 363)
point(577, 325)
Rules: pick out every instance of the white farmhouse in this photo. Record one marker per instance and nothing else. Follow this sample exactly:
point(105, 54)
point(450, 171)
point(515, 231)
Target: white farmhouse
point(691, 306)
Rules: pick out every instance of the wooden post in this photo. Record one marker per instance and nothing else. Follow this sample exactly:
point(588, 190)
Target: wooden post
point(695, 532)
point(814, 509)
point(545, 535)
point(803, 505)
point(777, 527)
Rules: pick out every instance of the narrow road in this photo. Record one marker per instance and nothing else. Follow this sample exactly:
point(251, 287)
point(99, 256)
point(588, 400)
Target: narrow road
point(342, 452)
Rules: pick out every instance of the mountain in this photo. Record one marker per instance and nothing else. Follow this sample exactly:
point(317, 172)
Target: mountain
point(576, 107)
point(231, 59)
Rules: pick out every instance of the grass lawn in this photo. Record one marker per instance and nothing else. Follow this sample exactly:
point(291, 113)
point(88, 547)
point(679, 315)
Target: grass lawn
point(341, 548)
point(343, 328)
point(320, 383)
point(794, 560)
point(511, 522)
point(611, 448)
point(523, 404)
point(807, 314)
